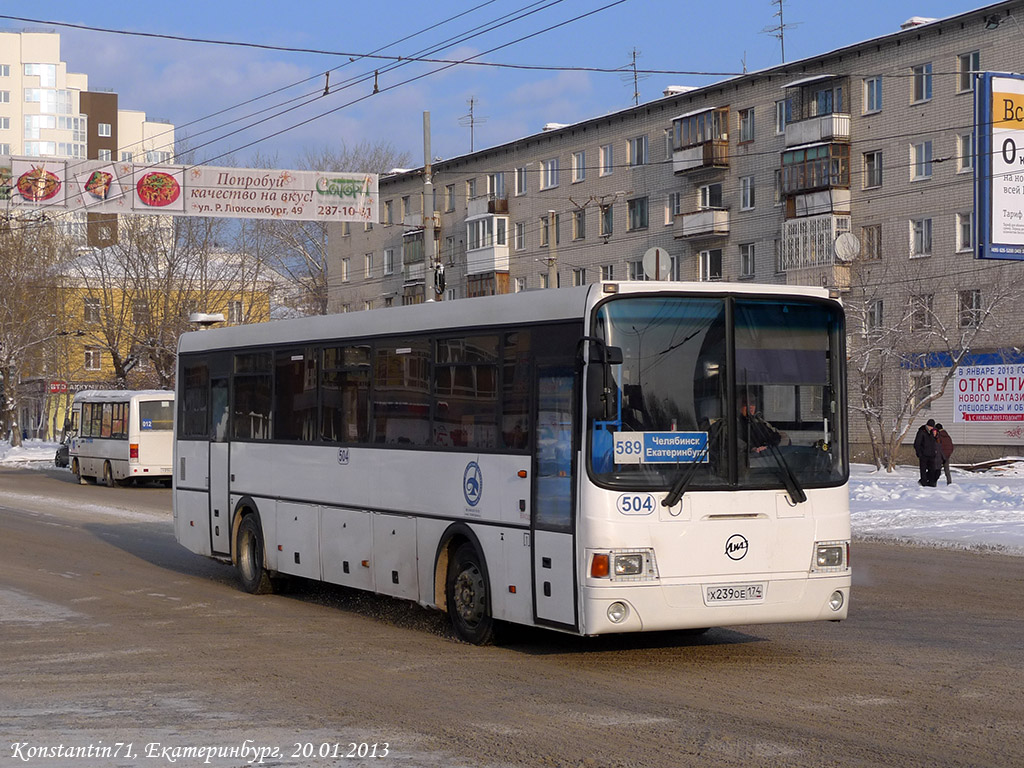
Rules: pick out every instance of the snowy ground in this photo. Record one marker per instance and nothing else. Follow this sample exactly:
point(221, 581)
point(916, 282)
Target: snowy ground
point(980, 510)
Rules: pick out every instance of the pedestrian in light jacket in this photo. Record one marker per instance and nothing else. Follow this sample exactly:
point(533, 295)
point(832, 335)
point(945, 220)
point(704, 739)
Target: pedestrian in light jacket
point(945, 448)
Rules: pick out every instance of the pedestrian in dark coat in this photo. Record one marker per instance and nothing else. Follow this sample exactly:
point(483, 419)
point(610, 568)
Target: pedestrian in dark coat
point(946, 448)
point(926, 448)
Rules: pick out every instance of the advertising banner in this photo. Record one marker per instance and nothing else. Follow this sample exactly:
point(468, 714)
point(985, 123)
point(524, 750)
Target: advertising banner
point(101, 186)
point(999, 166)
point(988, 393)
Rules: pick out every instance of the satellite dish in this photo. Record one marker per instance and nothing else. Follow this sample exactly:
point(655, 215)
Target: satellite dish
point(847, 247)
point(657, 263)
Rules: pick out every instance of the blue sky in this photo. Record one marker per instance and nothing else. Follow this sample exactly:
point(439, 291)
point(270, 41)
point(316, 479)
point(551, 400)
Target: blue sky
point(188, 83)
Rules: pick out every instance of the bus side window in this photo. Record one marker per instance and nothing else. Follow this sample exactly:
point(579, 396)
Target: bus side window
point(219, 409)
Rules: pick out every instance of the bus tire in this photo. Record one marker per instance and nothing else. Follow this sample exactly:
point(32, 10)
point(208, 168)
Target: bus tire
point(468, 597)
point(108, 475)
point(250, 557)
point(76, 470)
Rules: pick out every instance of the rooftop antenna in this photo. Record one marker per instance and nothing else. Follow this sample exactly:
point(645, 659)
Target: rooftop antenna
point(632, 74)
point(779, 30)
point(471, 120)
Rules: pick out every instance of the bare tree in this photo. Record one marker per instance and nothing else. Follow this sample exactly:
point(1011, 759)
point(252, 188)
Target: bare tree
point(297, 250)
point(908, 334)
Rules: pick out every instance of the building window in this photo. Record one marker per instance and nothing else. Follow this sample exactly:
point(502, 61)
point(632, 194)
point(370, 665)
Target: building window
point(449, 198)
point(579, 166)
point(519, 285)
point(579, 276)
point(449, 249)
point(235, 313)
point(496, 185)
point(608, 272)
point(5, 70)
point(873, 94)
point(783, 115)
point(636, 151)
point(922, 83)
point(470, 189)
point(126, 157)
point(103, 130)
point(549, 173)
point(635, 270)
point(637, 210)
point(606, 220)
point(969, 308)
point(607, 160)
point(921, 311)
point(520, 180)
point(871, 241)
point(406, 207)
point(965, 231)
point(921, 160)
point(91, 311)
point(103, 154)
point(368, 264)
point(344, 270)
point(543, 279)
point(140, 311)
point(827, 101)
point(920, 237)
point(546, 227)
point(746, 259)
point(93, 358)
point(711, 265)
point(965, 153)
point(579, 224)
point(746, 125)
point(746, 193)
point(389, 213)
point(389, 261)
point(5, 97)
point(967, 64)
point(5, 123)
point(709, 196)
point(874, 316)
point(872, 169)
point(674, 207)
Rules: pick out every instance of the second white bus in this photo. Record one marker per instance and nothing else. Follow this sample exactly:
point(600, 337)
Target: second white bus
point(619, 457)
point(122, 435)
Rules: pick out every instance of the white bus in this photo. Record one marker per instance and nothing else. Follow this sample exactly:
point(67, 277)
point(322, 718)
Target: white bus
point(618, 457)
point(122, 435)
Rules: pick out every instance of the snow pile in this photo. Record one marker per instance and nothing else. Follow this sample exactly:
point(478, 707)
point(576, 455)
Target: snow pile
point(981, 510)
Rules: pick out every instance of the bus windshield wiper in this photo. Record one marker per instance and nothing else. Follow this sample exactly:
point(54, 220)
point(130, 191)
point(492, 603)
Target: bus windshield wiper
point(682, 482)
point(793, 487)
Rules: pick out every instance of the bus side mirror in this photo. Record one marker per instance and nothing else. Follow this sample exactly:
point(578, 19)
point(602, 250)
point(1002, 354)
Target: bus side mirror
point(602, 395)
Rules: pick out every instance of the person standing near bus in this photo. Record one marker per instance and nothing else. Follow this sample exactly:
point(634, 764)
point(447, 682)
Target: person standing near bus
point(924, 448)
point(946, 449)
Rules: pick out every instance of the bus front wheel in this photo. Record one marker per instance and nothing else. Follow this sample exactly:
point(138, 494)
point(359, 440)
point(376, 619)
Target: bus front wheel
point(76, 470)
point(466, 594)
point(249, 546)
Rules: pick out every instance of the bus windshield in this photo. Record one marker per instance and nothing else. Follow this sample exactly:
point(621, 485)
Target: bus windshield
point(728, 392)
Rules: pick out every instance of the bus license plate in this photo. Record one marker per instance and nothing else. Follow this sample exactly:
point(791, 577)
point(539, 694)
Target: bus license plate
point(733, 593)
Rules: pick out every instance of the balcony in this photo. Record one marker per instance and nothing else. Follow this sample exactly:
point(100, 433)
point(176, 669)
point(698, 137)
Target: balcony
point(485, 204)
point(493, 258)
point(815, 203)
point(710, 222)
point(835, 276)
point(710, 154)
point(831, 127)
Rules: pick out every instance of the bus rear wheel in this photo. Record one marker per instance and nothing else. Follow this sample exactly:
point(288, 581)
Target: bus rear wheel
point(108, 475)
point(467, 597)
point(249, 548)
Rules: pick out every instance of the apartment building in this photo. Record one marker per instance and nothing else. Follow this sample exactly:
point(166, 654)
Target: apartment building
point(752, 178)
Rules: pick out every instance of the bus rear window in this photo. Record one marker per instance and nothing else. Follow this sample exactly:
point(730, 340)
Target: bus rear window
point(156, 415)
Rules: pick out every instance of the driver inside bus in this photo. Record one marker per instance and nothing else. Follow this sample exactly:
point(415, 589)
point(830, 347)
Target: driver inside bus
point(755, 432)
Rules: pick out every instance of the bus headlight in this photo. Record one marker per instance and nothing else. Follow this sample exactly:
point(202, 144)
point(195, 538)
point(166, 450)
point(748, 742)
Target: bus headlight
point(831, 556)
point(618, 612)
point(624, 565)
point(836, 601)
point(629, 565)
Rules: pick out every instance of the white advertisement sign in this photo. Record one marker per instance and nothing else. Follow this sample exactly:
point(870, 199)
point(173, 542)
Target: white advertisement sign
point(988, 393)
point(100, 186)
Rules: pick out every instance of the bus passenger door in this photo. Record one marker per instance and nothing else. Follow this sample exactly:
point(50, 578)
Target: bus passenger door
point(554, 558)
point(220, 501)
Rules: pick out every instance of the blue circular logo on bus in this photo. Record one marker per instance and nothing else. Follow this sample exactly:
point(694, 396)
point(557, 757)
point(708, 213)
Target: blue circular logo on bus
point(473, 483)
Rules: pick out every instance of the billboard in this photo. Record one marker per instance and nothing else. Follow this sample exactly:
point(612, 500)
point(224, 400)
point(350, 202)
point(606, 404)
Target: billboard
point(102, 186)
point(999, 166)
point(988, 393)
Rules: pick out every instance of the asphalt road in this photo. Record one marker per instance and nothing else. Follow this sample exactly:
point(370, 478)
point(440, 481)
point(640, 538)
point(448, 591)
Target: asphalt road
point(112, 635)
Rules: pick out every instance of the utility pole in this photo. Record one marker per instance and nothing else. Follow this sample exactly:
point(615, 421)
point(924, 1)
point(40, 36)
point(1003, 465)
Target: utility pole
point(552, 251)
point(429, 243)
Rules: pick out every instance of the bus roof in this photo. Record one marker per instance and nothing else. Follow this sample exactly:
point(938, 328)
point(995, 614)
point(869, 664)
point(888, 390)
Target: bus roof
point(507, 309)
point(119, 395)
